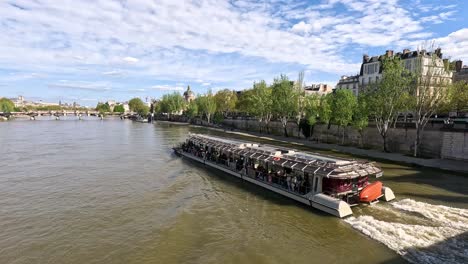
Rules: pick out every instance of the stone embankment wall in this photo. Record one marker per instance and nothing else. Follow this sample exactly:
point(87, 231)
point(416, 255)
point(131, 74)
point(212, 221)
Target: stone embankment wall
point(435, 142)
point(454, 146)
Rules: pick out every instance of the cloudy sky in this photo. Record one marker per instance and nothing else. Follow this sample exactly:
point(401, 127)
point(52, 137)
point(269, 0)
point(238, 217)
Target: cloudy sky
point(90, 51)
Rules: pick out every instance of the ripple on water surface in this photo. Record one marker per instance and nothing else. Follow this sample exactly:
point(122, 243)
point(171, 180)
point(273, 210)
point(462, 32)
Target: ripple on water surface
point(112, 192)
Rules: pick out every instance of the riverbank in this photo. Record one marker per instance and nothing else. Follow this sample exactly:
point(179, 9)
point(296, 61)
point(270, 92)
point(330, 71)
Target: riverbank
point(443, 164)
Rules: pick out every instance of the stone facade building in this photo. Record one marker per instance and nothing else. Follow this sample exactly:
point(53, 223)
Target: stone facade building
point(320, 89)
point(189, 95)
point(18, 101)
point(461, 72)
point(420, 62)
point(349, 83)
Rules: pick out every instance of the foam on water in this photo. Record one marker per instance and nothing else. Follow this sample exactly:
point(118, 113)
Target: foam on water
point(444, 241)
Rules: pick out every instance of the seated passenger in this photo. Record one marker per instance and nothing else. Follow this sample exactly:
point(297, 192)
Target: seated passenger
point(288, 182)
point(294, 184)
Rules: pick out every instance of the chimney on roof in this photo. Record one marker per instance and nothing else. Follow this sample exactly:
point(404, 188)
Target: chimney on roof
point(389, 53)
point(458, 65)
point(438, 52)
point(405, 51)
point(365, 58)
point(446, 64)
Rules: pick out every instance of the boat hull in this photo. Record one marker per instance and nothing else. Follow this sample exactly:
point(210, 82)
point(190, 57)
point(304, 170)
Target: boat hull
point(319, 201)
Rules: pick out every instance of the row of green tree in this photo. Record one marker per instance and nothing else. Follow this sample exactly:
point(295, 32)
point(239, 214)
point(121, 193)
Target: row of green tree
point(399, 91)
point(136, 105)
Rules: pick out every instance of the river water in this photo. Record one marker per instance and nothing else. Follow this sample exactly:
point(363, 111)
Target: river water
point(111, 191)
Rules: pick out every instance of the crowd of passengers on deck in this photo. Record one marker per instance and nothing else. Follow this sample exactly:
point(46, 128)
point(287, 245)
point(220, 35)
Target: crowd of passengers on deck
point(266, 172)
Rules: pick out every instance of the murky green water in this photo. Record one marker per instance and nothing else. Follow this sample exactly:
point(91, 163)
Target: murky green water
point(112, 192)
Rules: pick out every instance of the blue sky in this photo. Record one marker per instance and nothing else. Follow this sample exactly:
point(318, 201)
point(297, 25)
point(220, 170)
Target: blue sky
point(90, 51)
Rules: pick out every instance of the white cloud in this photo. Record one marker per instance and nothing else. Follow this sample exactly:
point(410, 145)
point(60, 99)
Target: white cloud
point(113, 73)
point(130, 59)
point(455, 45)
point(302, 27)
point(166, 87)
point(206, 84)
point(184, 40)
point(137, 90)
point(21, 76)
point(438, 18)
point(89, 86)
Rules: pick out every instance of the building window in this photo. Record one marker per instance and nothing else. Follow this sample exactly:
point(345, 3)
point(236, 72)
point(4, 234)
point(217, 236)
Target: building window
point(369, 80)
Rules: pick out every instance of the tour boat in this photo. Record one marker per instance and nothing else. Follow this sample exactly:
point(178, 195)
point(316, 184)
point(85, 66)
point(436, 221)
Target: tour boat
point(328, 183)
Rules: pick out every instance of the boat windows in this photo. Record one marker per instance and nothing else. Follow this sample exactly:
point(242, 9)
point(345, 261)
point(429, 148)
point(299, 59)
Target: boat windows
point(315, 184)
point(296, 172)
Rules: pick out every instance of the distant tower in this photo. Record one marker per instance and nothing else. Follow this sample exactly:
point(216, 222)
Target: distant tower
point(188, 95)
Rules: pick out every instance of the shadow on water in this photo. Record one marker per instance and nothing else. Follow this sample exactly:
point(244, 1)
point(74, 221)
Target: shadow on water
point(254, 189)
point(449, 182)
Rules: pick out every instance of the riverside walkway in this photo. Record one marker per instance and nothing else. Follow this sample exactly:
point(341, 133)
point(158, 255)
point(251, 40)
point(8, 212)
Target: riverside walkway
point(443, 164)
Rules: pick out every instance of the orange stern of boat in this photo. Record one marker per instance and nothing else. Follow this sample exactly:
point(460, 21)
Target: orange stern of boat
point(371, 192)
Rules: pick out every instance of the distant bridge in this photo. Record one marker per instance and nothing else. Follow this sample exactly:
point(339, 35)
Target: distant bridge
point(52, 113)
point(78, 113)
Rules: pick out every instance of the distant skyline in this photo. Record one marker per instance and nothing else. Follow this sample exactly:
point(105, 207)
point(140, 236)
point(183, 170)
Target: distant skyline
point(90, 51)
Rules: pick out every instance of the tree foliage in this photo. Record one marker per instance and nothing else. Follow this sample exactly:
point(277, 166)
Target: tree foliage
point(361, 115)
point(311, 111)
point(6, 105)
point(172, 103)
point(312, 106)
point(226, 101)
point(119, 109)
point(284, 100)
point(137, 105)
point(258, 102)
point(343, 104)
point(390, 96)
point(325, 110)
point(103, 108)
point(457, 97)
point(207, 105)
point(192, 109)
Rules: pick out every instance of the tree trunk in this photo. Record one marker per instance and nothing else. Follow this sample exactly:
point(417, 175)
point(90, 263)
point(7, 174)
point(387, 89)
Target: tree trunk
point(417, 140)
point(342, 139)
point(284, 122)
point(321, 133)
point(384, 137)
point(361, 143)
point(298, 129)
